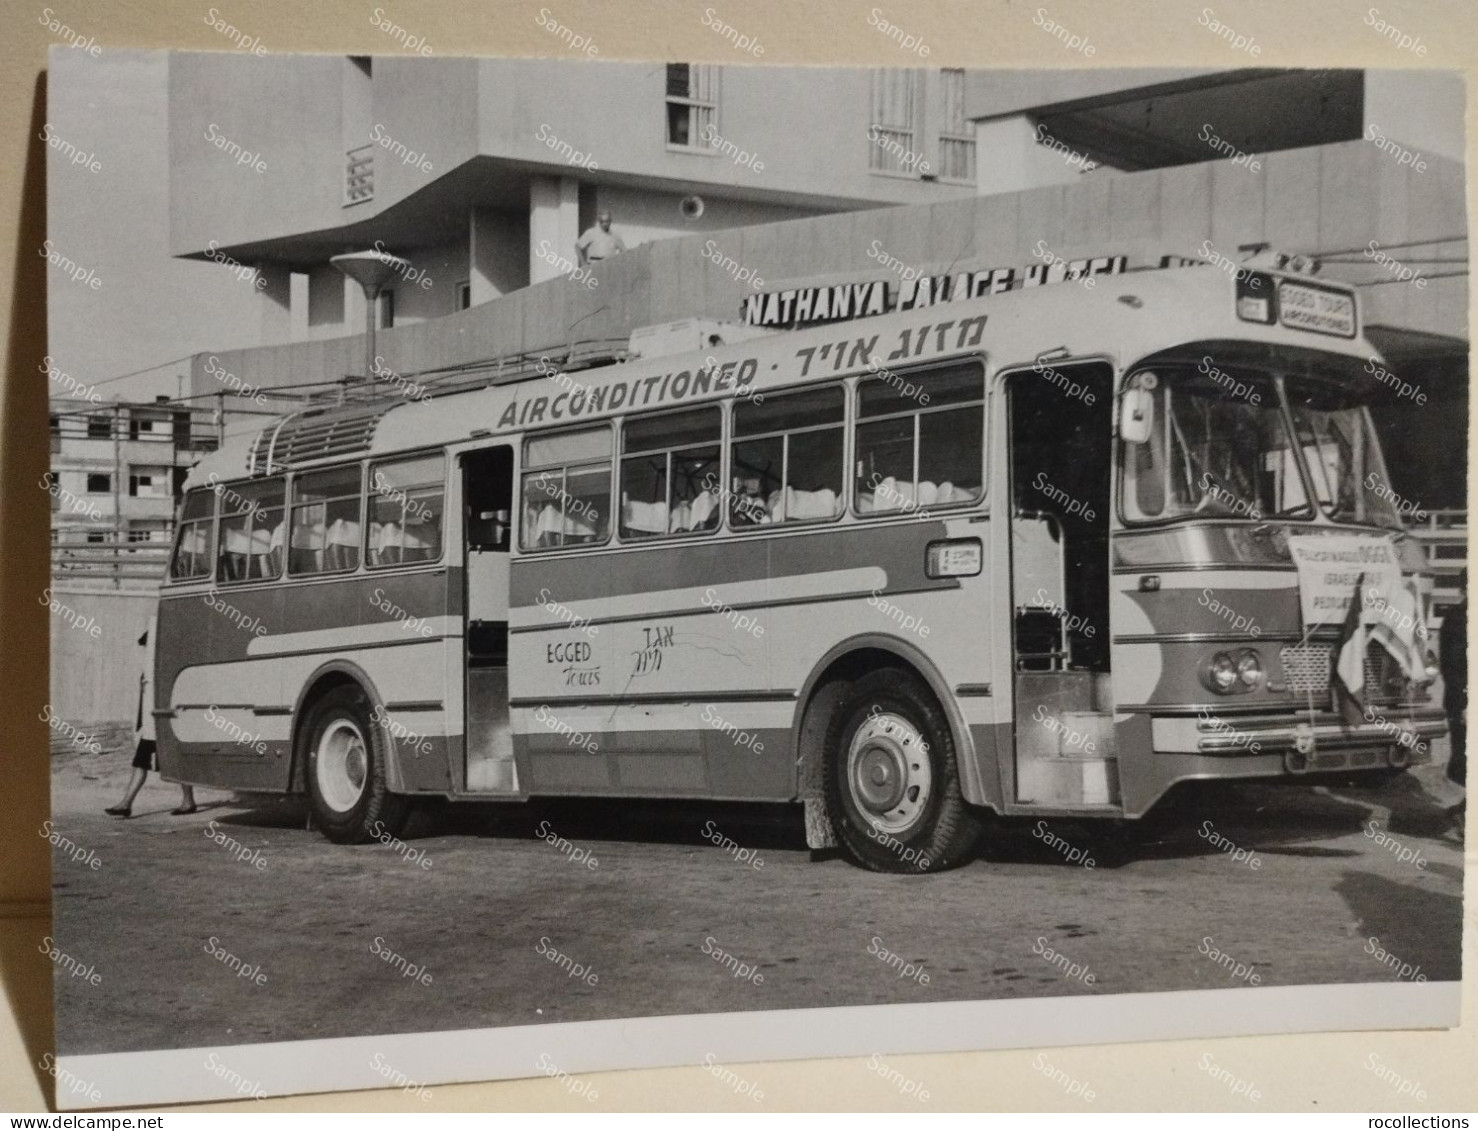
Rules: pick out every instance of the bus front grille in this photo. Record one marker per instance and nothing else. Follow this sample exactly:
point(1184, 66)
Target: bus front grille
point(1307, 667)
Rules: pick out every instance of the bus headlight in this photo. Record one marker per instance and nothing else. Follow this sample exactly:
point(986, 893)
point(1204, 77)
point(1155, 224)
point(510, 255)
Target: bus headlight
point(1221, 673)
point(1249, 668)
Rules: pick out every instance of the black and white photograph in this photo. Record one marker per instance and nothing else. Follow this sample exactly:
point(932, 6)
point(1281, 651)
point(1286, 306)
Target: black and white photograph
point(562, 564)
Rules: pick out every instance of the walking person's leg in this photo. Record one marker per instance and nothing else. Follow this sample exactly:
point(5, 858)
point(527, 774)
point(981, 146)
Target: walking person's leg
point(124, 808)
point(143, 762)
point(187, 801)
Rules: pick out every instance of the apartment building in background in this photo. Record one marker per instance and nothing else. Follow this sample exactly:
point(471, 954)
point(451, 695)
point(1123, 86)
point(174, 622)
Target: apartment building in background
point(116, 471)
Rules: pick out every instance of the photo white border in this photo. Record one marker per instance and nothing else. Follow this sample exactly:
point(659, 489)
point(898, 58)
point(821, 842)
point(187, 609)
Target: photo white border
point(460, 1056)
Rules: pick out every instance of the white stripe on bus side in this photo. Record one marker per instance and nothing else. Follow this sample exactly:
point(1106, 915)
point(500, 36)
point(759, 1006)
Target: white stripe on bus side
point(668, 602)
point(1213, 579)
point(414, 674)
point(1131, 619)
point(350, 636)
point(225, 726)
point(605, 719)
point(1137, 671)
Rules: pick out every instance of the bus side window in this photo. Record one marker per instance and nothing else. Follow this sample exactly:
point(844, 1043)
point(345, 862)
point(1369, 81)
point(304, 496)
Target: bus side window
point(325, 521)
point(193, 548)
point(786, 458)
point(566, 489)
point(670, 473)
point(251, 531)
point(920, 440)
point(406, 501)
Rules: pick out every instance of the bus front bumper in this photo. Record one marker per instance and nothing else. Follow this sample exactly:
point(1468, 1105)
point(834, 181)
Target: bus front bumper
point(1385, 736)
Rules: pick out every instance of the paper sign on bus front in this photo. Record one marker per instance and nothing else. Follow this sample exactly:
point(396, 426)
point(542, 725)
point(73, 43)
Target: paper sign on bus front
point(1329, 569)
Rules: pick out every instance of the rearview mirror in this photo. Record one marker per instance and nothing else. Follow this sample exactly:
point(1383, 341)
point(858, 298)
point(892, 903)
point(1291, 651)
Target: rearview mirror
point(1136, 415)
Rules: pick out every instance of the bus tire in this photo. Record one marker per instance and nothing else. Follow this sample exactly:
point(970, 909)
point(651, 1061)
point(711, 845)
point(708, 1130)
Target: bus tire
point(346, 770)
point(892, 783)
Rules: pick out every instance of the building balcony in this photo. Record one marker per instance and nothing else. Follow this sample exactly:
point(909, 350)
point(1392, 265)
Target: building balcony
point(156, 507)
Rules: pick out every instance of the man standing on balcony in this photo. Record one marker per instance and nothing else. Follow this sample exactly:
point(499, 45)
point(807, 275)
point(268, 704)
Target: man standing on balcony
point(598, 242)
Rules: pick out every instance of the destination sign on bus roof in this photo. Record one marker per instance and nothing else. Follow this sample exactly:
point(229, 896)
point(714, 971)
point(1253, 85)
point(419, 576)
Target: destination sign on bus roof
point(1320, 309)
point(809, 306)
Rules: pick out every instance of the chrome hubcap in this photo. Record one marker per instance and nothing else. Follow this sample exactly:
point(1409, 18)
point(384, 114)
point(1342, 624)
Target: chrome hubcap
point(888, 773)
point(342, 765)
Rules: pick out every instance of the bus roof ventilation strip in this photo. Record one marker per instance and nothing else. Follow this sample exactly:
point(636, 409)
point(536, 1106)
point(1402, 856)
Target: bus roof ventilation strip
point(313, 436)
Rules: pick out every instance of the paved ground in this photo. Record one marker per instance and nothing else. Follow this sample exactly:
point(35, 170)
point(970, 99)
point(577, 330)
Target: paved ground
point(662, 898)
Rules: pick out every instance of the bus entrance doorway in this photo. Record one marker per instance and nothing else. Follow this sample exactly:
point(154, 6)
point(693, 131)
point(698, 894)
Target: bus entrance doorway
point(1060, 420)
point(487, 500)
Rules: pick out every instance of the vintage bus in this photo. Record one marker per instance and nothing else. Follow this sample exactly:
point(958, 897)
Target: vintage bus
point(1041, 553)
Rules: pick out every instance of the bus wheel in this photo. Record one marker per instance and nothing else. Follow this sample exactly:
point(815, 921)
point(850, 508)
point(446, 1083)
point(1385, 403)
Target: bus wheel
point(347, 786)
point(892, 786)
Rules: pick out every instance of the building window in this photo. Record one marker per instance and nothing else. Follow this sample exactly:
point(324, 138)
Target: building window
point(913, 455)
point(405, 510)
point(567, 489)
point(385, 310)
point(786, 459)
point(464, 295)
point(956, 134)
point(359, 174)
point(95, 538)
point(670, 473)
point(692, 104)
point(151, 485)
point(136, 536)
point(99, 427)
point(146, 428)
point(99, 484)
point(356, 117)
point(891, 135)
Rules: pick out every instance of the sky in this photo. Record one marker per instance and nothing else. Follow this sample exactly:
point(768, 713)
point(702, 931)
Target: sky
point(110, 216)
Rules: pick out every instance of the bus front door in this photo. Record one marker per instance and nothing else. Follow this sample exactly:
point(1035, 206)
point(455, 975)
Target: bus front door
point(1060, 420)
point(487, 501)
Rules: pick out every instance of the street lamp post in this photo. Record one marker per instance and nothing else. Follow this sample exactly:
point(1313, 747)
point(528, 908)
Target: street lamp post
point(371, 270)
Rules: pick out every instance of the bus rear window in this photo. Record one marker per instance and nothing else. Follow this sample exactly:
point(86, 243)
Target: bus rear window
point(920, 440)
point(786, 459)
point(251, 531)
point(670, 473)
point(567, 489)
point(405, 515)
point(194, 545)
point(325, 522)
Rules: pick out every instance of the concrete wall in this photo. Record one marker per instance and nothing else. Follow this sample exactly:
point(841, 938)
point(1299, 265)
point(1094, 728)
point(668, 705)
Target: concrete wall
point(453, 110)
point(431, 107)
point(1330, 198)
point(1422, 108)
point(641, 216)
point(498, 252)
point(445, 267)
point(214, 198)
point(95, 678)
point(615, 113)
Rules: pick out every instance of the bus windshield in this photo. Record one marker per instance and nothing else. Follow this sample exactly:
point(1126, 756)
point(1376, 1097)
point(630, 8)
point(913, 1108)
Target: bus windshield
point(1342, 455)
point(1220, 447)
